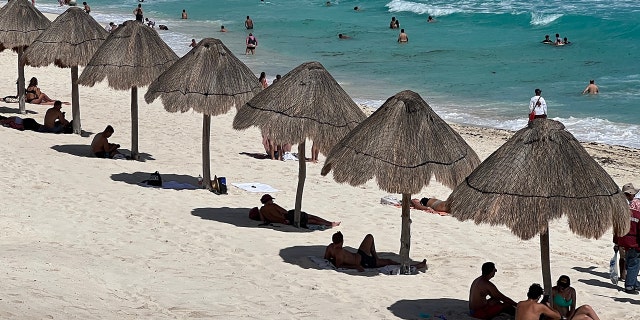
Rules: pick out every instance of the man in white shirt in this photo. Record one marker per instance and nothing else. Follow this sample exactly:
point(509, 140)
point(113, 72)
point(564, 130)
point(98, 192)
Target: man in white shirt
point(538, 104)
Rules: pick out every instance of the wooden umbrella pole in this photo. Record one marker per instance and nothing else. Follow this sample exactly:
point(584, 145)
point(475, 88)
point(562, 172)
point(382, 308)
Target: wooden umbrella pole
point(134, 123)
point(302, 175)
point(75, 101)
point(405, 236)
point(206, 161)
point(23, 109)
point(546, 265)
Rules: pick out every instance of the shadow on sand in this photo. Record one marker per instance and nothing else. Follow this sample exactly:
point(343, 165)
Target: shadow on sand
point(239, 217)
point(138, 177)
point(15, 110)
point(592, 271)
point(444, 308)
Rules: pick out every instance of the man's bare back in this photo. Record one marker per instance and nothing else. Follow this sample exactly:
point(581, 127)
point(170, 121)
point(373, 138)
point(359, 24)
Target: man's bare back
point(531, 310)
point(342, 258)
point(480, 289)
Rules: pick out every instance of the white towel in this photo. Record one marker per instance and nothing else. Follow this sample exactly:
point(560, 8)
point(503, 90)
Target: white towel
point(255, 187)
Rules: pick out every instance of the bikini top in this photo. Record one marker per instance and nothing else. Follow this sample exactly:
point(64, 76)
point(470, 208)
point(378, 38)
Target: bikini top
point(560, 301)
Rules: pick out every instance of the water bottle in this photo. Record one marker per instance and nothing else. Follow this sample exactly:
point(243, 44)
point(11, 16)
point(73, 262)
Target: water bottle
point(200, 181)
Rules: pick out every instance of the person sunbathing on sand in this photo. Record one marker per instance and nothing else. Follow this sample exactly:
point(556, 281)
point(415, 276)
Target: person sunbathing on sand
point(365, 258)
point(431, 204)
point(271, 212)
point(35, 96)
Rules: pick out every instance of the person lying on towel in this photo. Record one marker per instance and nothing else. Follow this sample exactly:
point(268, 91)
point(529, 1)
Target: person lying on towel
point(271, 212)
point(431, 203)
point(365, 258)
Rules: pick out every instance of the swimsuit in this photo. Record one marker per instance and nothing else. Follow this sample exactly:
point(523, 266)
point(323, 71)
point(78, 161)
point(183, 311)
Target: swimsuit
point(560, 301)
point(366, 260)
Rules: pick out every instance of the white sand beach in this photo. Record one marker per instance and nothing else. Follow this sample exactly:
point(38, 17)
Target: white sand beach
point(81, 239)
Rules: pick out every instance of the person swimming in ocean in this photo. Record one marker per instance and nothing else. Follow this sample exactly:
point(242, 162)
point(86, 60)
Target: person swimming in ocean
point(547, 40)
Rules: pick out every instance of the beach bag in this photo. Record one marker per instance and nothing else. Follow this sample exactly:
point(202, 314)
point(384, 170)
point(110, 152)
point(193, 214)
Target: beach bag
point(219, 185)
point(532, 115)
point(154, 179)
point(254, 214)
point(613, 268)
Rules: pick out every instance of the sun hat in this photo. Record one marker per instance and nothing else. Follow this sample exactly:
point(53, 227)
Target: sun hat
point(629, 189)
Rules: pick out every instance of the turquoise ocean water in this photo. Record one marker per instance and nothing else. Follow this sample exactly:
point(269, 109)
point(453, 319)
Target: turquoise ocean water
point(477, 64)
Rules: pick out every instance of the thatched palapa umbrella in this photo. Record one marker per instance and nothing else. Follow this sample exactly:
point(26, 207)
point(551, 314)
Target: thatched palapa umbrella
point(208, 79)
point(542, 173)
point(20, 24)
point(307, 103)
point(132, 56)
point(70, 41)
point(403, 144)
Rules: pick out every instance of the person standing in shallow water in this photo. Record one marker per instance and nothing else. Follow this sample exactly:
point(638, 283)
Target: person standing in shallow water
point(248, 23)
point(403, 37)
point(592, 88)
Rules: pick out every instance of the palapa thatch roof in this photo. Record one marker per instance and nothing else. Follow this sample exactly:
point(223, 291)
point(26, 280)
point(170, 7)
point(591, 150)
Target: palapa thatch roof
point(208, 79)
point(538, 175)
point(403, 144)
point(71, 40)
point(20, 24)
point(306, 103)
point(132, 56)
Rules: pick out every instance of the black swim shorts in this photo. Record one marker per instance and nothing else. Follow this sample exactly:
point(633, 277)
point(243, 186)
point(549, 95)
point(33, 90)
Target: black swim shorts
point(366, 260)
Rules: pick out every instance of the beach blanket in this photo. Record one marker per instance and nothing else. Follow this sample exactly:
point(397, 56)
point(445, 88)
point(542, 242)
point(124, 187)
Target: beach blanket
point(255, 187)
point(326, 264)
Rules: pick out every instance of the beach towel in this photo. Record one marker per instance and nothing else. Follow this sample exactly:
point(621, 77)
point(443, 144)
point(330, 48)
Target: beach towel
point(388, 270)
point(393, 201)
point(255, 187)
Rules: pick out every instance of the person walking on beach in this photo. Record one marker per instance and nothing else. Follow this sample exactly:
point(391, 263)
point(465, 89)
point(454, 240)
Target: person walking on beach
point(87, 9)
point(252, 43)
point(248, 23)
point(631, 242)
point(184, 14)
point(538, 104)
point(402, 37)
point(479, 306)
point(138, 12)
point(592, 88)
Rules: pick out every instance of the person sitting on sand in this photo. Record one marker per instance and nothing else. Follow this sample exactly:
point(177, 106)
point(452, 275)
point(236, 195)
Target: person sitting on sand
point(479, 306)
point(431, 204)
point(531, 309)
point(271, 212)
point(54, 121)
point(563, 300)
point(100, 145)
point(365, 258)
point(34, 95)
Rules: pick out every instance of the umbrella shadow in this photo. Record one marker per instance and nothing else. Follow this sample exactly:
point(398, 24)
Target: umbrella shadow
point(256, 155)
point(300, 256)
point(431, 308)
point(239, 217)
point(15, 110)
point(79, 150)
point(138, 177)
point(592, 271)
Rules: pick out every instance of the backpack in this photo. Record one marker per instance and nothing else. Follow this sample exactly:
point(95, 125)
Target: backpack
point(219, 185)
point(154, 180)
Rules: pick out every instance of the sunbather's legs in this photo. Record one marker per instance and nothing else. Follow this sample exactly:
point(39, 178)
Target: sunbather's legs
point(317, 220)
